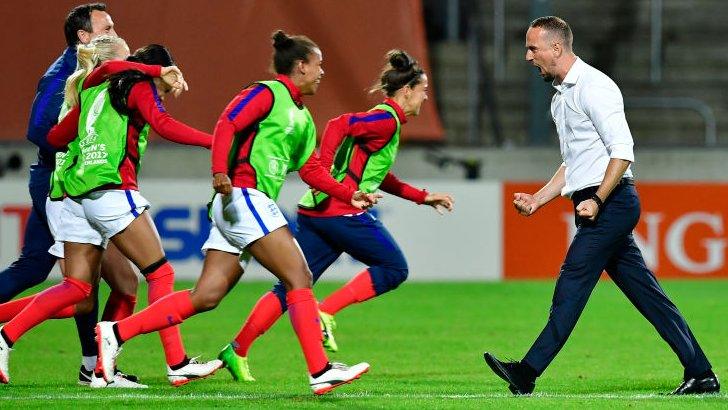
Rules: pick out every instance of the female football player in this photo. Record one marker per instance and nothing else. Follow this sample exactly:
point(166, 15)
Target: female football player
point(362, 148)
point(100, 172)
point(264, 133)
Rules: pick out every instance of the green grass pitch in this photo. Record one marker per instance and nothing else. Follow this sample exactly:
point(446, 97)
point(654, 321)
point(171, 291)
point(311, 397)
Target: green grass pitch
point(425, 343)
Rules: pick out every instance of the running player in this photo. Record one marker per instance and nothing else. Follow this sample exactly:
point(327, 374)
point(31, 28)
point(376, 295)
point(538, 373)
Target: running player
point(264, 133)
point(102, 175)
point(362, 148)
point(121, 279)
point(83, 23)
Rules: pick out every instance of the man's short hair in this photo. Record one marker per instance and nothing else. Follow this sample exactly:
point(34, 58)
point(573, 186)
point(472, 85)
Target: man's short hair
point(555, 26)
point(79, 18)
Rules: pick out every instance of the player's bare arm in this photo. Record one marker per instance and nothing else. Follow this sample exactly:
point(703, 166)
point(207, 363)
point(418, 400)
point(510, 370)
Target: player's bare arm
point(440, 202)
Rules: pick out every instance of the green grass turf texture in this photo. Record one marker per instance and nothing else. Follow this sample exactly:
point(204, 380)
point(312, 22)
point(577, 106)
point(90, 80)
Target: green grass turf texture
point(424, 342)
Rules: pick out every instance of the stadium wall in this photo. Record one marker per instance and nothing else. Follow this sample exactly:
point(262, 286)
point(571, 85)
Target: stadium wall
point(682, 231)
point(223, 46)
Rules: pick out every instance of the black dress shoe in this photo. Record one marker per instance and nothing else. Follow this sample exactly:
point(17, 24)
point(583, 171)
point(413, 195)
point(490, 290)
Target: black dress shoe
point(707, 385)
point(518, 378)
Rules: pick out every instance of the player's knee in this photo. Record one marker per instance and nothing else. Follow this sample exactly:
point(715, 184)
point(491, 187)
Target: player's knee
point(130, 286)
point(85, 306)
point(300, 279)
point(127, 286)
point(123, 281)
point(396, 276)
point(308, 277)
point(389, 276)
point(207, 300)
point(398, 270)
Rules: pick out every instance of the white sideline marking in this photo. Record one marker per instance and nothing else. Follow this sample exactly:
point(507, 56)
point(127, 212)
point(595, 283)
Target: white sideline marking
point(259, 396)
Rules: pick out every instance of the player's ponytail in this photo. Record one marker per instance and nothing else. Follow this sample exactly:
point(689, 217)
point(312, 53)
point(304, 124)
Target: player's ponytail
point(100, 49)
point(399, 71)
point(120, 84)
point(289, 49)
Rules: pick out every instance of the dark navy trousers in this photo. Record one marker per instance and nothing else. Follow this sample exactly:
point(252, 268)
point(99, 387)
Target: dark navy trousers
point(324, 239)
point(608, 244)
point(34, 263)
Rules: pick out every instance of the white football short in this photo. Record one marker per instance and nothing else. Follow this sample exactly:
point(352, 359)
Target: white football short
point(241, 218)
point(217, 242)
point(53, 215)
point(111, 211)
point(68, 223)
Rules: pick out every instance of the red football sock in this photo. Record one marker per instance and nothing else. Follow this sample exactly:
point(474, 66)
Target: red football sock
point(266, 312)
point(303, 313)
point(9, 310)
point(119, 306)
point(45, 305)
point(358, 289)
point(161, 283)
point(169, 311)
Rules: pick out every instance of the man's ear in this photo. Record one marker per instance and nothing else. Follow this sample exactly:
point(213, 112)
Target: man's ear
point(84, 37)
point(557, 48)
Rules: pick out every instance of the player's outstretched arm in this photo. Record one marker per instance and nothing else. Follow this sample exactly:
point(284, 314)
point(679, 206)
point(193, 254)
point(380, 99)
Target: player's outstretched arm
point(441, 202)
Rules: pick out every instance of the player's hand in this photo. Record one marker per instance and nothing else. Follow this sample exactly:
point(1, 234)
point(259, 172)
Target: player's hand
point(525, 204)
point(173, 77)
point(440, 202)
point(362, 200)
point(588, 209)
point(221, 184)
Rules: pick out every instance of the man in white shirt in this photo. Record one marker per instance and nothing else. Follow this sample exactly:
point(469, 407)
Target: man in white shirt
point(596, 147)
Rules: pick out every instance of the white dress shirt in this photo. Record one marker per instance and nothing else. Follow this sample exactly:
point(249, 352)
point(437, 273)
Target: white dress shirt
point(589, 115)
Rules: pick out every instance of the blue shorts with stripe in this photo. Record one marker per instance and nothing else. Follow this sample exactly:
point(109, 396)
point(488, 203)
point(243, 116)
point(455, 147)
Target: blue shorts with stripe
point(324, 239)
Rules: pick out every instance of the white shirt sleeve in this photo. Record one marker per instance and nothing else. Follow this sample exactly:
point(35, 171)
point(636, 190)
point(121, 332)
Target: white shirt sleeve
point(603, 104)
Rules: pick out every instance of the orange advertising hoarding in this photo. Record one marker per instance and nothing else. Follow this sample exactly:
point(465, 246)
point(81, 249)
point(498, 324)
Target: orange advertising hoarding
point(681, 232)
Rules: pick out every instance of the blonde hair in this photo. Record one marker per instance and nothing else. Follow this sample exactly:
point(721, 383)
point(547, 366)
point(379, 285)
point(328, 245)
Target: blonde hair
point(90, 55)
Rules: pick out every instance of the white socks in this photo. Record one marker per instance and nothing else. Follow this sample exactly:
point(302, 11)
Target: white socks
point(89, 362)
